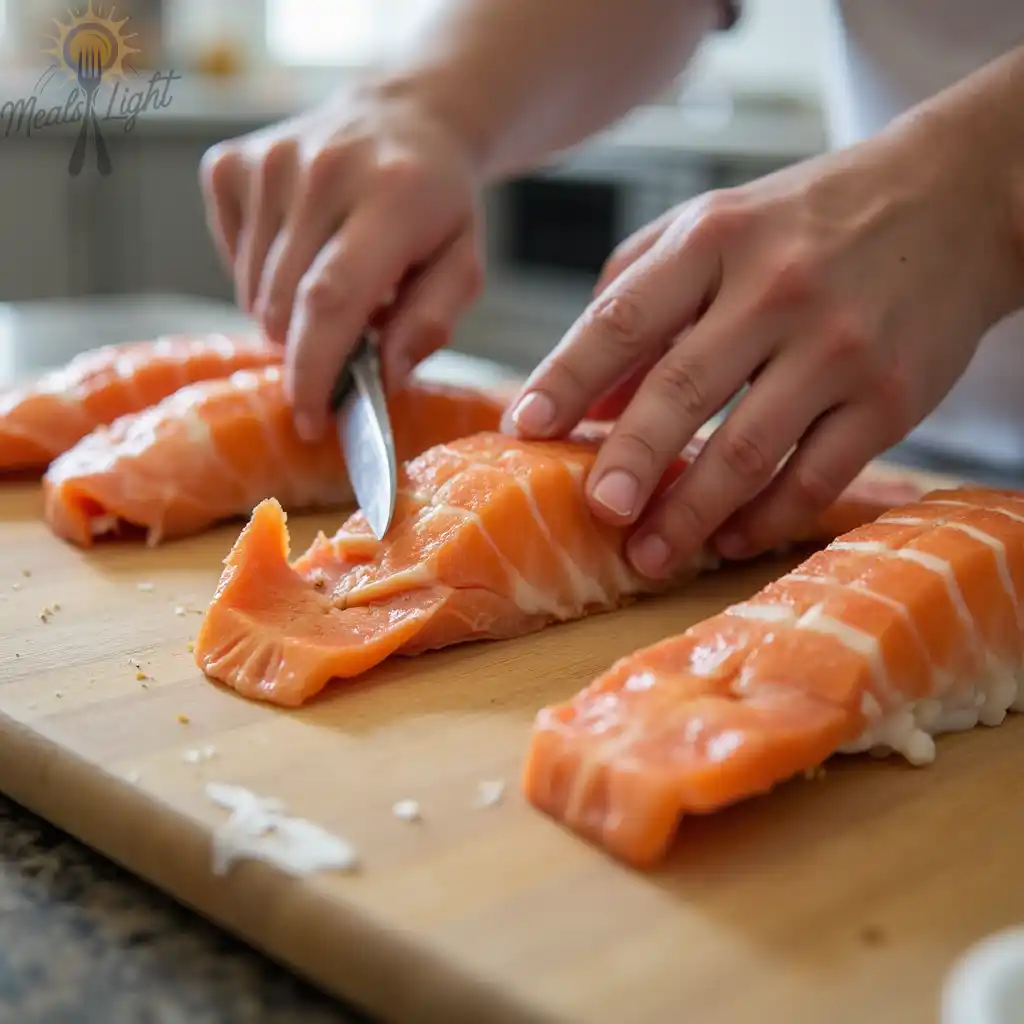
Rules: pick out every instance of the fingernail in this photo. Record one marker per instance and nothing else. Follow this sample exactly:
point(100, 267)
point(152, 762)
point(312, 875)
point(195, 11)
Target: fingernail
point(617, 491)
point(650, 556)
point(306, 428)
point(535, 414)
point(732, 544)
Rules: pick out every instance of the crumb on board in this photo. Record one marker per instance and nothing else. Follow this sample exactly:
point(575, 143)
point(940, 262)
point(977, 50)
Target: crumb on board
point(15, 586)
point(47, 613)
point(140, 675)
point(179, 609)
point(132, 777)
point(58, 694)
point(197, 754)
point(26, 573)
point(145, 586)
point(191, 646)
point(872, 935)
point(489, 793)
point(407, 810)
point(183, 719)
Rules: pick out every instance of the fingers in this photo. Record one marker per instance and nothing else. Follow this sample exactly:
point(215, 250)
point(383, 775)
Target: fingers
point(303, 234)
point(647, 305)
point(269, 194)
point(835, 450)
point(736, 463)
point(223, 178)
point(627, 252)
point(350, 276)
point(429, 307)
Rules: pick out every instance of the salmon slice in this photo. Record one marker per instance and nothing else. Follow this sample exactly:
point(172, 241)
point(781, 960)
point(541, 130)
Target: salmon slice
point(41, 420)
point(213, 450)
point(492, 538)
point(897, 631)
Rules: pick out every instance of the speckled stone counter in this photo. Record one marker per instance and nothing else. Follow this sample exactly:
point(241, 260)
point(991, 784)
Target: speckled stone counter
point(82, 941)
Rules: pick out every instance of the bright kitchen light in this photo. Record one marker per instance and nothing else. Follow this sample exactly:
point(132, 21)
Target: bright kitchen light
point(344, 32)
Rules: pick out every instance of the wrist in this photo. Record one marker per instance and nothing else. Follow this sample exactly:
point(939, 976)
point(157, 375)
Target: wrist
point(436, 96)
point(971, 138)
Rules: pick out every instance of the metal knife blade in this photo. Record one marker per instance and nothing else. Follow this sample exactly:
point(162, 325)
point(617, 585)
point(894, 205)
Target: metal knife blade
point(364, 431)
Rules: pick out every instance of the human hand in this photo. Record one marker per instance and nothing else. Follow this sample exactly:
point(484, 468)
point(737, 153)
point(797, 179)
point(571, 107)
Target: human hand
point(361, 211)
point(849, 292)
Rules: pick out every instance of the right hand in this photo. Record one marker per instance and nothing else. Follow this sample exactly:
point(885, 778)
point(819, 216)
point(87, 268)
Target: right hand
point(361, 211)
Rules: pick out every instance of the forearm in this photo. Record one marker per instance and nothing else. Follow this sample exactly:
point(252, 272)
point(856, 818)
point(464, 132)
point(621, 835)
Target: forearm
point(977, 126)
point(521, 79)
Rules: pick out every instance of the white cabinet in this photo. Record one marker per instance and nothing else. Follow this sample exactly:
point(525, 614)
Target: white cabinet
point(43, 219)
point(150, 216)
point(141, 229)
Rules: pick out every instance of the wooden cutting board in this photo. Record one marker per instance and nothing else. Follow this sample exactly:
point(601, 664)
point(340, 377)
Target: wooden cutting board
point(841, 899)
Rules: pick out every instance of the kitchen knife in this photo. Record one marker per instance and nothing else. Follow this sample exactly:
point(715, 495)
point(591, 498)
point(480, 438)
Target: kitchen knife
point(364, 430)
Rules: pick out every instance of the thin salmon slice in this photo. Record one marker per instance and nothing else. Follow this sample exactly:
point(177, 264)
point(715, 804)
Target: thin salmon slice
point(42, 419)
point(213, 450)
point(492, 538)
point(897, 631)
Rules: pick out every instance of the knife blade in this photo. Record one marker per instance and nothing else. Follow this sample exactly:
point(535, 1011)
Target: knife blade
point(364, 432)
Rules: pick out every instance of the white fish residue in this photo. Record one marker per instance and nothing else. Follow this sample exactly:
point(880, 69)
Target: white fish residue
point(196, 754)
point(407, 810)
point(259, 829)
point(489, 793)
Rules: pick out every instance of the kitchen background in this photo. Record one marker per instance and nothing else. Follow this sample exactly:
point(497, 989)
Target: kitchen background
point(748, 104)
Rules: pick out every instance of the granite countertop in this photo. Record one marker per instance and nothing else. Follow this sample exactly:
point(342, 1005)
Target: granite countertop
point(82, 941)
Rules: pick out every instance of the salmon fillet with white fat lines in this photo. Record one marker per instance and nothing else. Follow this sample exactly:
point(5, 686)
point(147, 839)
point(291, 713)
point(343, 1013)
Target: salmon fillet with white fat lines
point(492, 538)
point(213, 450)
point(899, 630)
point(42, 419)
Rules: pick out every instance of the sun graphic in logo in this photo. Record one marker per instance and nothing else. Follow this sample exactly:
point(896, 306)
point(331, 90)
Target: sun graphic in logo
point(92, 36)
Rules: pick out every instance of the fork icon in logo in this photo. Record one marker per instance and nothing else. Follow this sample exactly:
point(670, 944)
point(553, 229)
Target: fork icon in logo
point(90, 74)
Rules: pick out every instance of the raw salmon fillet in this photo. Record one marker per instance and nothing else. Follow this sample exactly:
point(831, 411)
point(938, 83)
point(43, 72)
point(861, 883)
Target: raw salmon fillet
point(897, 631)
point(213, 450)
point(41, 420)
point(492, 538)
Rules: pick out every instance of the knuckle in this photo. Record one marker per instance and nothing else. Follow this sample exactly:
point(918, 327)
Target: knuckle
point(794, 279)
point(848, 339)
point(618, 319)
point(431, 332)
point(563, 376)
point(743, 454)
point(633, 449)
point(814, 489)
point(681, 523)
point(716, 217)
point(680, 387)
point(400, 175)
point(218, 166)
point(323, 293)
point(276, 161)
point(323, 167)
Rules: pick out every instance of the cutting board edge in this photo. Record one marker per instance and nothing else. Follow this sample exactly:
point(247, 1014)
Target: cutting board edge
point(74, 795)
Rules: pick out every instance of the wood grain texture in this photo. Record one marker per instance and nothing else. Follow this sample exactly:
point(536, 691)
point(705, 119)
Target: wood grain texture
point(844, 899)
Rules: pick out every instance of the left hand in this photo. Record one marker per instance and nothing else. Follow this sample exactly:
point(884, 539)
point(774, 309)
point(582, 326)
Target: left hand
point(850, 292)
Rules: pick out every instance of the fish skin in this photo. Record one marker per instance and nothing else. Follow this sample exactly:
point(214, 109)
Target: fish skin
point(44, 418)
point(492, 538)
point(770, 687)
point(212, 450)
